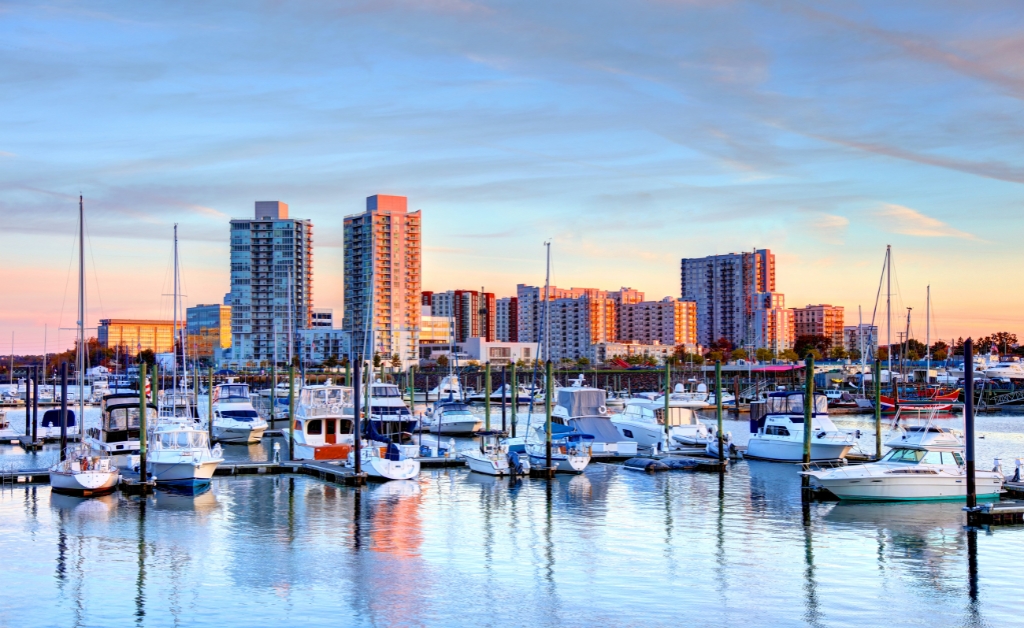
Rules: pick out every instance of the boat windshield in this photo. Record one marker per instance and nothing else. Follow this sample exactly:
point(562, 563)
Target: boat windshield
point(326, 397)
point(183, 440)
point(386, 391)
point(915, 456)
point(126, 417)
point(794, 404)
point(240, 415)
point(232, 391)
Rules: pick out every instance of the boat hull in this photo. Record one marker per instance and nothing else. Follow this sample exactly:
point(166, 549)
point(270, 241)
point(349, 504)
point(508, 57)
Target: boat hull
point(238, 434)
point(793, 451)
point(487, 466)
point(84, 483)
point(648, 435)
point(384, 469)
point(456, 427)
point(561, 462)
point(911, 488)
point(183, 473)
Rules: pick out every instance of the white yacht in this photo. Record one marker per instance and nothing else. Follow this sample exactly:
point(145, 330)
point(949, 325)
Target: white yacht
point(520, 396)
point(1006, 369)
point(235, 420)
point(779, 434)
point(680, 398)
point(83, 473)
point(493, 458)
point(323, 423)
point(118, 433)
point(452, 417)
point(386, 462)
point(571, 451)
point(644, 422)
point(925, 463)
point(179, 454)
point(448, 387)
point(388, 412)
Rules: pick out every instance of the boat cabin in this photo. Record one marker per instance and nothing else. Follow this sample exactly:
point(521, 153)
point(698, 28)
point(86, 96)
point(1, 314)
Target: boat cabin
point(119, 420)
point(180, 439)
point(334, 399)
point(231, 393)
point(782, 413)
point(655, 413)
point(326, 430)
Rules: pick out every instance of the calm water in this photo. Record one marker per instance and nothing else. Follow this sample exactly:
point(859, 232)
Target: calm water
point(610, 547)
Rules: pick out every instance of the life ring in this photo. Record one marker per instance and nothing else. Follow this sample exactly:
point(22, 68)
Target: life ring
point(602, 410)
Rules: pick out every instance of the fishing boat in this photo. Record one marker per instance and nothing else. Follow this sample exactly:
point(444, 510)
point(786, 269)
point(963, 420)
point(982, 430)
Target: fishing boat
point(778, 435)
point(84, 473)
point(925, 462)
point(493, 458)
point(117, 435)
point(452, 417)
point(235, 420)
point(323, 427)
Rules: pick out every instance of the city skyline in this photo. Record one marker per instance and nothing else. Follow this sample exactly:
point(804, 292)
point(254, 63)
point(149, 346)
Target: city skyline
point(689, 145)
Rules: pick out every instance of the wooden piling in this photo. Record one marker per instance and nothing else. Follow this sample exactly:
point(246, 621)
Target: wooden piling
point(718, 409)
point(64, 411)
point(143, 476)
point(291, 412)
point(972, 490)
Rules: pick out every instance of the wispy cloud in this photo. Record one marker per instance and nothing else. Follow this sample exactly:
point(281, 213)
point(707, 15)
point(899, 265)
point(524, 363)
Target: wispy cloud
point(911, 222)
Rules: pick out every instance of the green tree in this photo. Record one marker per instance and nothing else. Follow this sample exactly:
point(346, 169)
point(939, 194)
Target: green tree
point(715, 356)
point(789, 355)
point(396, 361)
point(442, 361)
point(805, 343)
point(837, 353)
point(855, 354)
point(331, 361)
point(1004, 340)
point(882, 353)
point(814, 353)
point(764, 355)
point(147, 356)
point(939, 354)
point(739, 354)
point(377, 360)
point(582, 361)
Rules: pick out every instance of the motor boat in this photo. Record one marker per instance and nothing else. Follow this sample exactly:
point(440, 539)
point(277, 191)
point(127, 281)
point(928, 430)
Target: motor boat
point(49, 425)
point(680, 398)
point(925, 462)
point(711, 445)
point(839, 398)
point(388, 412)
point(6, 431)
point(448, 387)
point(778, 435)
point(179, 454)
point(386, 462)
point(452, 417)
point(492, 457)
point(571, 451)
point(583, 410)
point(1005, 369)
point(522, 395)
point(323, 423)
point(235, 420)
point(644, 422)
point(118, 433)
point(84, 473)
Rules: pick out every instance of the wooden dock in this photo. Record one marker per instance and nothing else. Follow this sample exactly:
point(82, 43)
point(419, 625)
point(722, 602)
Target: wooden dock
point(997, 513)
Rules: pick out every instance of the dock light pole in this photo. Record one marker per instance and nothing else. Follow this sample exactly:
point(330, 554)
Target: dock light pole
point(972, 489)
point(209, 404)
point(515, 398)
point(64, 411)
point(668, 389)
point(718, 410)
point(142, 417)
point(808, 407)
point(357, 411)
point(504, 392)
point(291, 412)
point(878, 408)
point(547, 412)
point(487, 396)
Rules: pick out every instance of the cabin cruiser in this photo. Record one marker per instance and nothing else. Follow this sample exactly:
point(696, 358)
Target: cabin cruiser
point(452, 417)
point(235, 420)
point(839, 398)
point(84, 473)
point(493, 458)
point(644, 422)
point(118, 433)
point(779, 434)
point(679, 398)
point(925, 462)
point(388, 412)
point(1005, 369)
point(179, 454)
point(323, 427)
point(178, 404)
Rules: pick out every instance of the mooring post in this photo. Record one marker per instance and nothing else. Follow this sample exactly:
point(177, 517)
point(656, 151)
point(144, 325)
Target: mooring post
point(273, 390)
point(142, 417)
point(28, 401)
point(154, 390)
point(736, 395)
point(972, 490)
point(487, 396)
point(808, 407)
point(504, 393)
point(515, 398)
point(64, 411)
point(878, 408)
point(668, 394)
point(35, 403)
point(348, 373)
point(291, 412)
point(209, 403)
point(547, 413)
point(718, 410)
point(357, 411)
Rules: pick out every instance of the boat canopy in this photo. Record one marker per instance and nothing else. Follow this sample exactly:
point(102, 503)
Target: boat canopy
point(230, 391)
point(600, 427)
point(789, 402)
point(581, 401)
point(52, 418)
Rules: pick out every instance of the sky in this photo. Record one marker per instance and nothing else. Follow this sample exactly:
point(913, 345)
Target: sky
point(631, 134)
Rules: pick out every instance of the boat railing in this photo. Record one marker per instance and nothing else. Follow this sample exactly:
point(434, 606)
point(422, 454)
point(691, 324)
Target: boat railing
point(822, 465)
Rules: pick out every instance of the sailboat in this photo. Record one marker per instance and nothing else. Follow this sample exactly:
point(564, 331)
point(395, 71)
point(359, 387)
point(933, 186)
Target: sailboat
point(180, 453)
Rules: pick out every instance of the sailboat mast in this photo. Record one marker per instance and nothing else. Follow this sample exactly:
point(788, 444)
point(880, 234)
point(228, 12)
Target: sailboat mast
point(888, 312)
point(80, 367)
point(928, 336)
point(174, 326)
point(860, 346)
point(547, 302)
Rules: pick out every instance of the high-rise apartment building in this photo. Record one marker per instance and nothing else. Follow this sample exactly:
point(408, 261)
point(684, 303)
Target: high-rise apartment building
point(578, 325)
point(382, 278)
point(669, 322)
point(725, 289)
point(133, 335)
point(506, 319)
point(773, 323)
point(271, 284)
point(473, 312)
point(322, 318)
point(531, 306)
point(819, 320)
point(863, 338)
point(208, 331)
